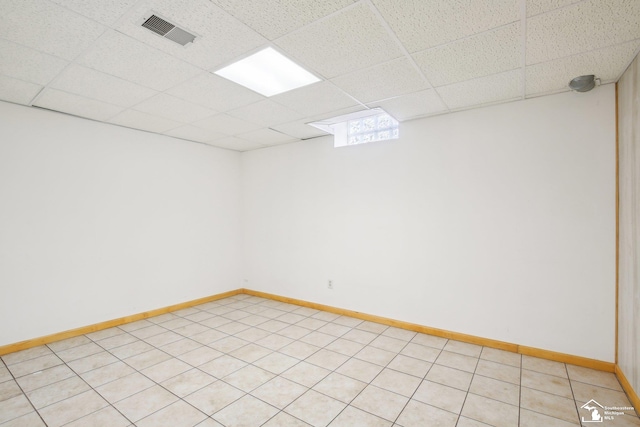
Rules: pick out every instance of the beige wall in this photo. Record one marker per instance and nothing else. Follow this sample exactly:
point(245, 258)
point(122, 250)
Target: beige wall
point(629, 279)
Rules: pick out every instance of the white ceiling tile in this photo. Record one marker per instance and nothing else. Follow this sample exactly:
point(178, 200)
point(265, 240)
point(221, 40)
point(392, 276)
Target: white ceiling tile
point(222, 37)
point(536, 7)
point(226, 124)
point(421, 24)
point(237, 144)
point(18, 91)
point(487, 53)
point(315, 99)
point(129, 59)
point(344, 42)
point(47, 27)
point(266, 113)
point(300, 130)
point(103, 11)
point(102, 87)
point(69, 103)
point(555, 75)
point(582, 27)
point(332, 114)
point(485, 90)
point(173, 108)
point(28, 64)
point(267, 137)
point(194, 133)
point(387, 80)
point(423, 103)
point(275, 18)
point(215, 92)
point(137, 120)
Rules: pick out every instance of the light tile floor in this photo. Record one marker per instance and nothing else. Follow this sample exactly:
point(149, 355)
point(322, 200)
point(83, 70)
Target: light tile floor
point(248, 361)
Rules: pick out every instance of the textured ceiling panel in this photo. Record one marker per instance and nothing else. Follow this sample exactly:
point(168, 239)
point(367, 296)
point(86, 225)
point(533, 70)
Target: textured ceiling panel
point(267, 137)
point(536, 7)
point(51, 28)
point(173, 108)
point(299, 130)
point(344, 42)
point(28, 64)
point(215, 92)
point(581, 27)
point(222, 37)
point(102, 87)
point(315, 99)
point(194, 133)
point(275, 18)
point(77, 105)
point(487, 53)
point(554, 76)
point(387, 80)
point(18, 91)
point(422, 24)
point(137, 120)
point(226, 124)
point(237, 144)
point(418, 104)
point(485, 90)
point(124, 57)
point(104, 11)
point(266, 113)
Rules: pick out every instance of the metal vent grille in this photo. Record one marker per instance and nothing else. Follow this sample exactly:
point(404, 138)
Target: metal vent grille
point(168, 30)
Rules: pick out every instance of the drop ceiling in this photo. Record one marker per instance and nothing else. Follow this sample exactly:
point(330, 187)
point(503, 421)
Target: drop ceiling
point(414, 58)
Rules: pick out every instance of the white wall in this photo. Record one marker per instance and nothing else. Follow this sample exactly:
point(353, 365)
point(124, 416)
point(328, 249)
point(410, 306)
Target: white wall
point(497, 222)
point(629, 267)
point(99, 222)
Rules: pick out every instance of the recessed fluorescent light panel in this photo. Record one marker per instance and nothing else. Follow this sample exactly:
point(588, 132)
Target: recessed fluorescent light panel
point(268, 72)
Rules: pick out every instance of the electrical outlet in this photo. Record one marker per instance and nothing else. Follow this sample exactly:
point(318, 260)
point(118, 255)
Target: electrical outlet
point(330, 285)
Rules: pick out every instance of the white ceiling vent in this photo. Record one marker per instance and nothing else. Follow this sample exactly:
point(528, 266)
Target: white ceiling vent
point(166, 29)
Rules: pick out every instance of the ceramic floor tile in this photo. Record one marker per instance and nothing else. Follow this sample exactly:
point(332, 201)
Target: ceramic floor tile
point(30, 366)
point(429, 341)
point(376, 328)
point(397, 382)
point(228, 344)
point(252, 334)
point(548, 383)
point(306, 374)
point(294, 332)
point(214, 322)
point(162, 318)
point(106, 374)
point(145, 403)
point(274, 342)
point(535, 419)
point(605, 396)
point(340, 387)
point(315, 408)
point(214, 397)
point(124, 387)
point(79, 352)
point(279, 392)
point(9, 389)
point(181, 347)
point(593, 377)
point(148, 331)
point(208, 337)
point(68, 343)
point(191, 330)
point(105, 417)
point(129, 350)
point(375, 355)
point(244, 412)
point(501, 356)
point(450, 377)
point(299, 350)
point(147, 359)
point(495, 389)
point(129, 327)
point(388, 343)
point(318, 339)
point(232, 328)
point(14, 407)
point(417, 414)
point(44, 377)
point(545, 366)
point(165, 370)
point(468, 422)
point(457, 361)
point(276, 363)
point(360, 370)
point(200, 356)
point(28, 354)
point(273, 325)
point(344, 346)
point(32, 419)
point(222, 366)
point(250, 353)
point(254, 320)
point(409, 365)
point(382, 403)
point(92, 362)
point(498, 371)
point(248, 378)
point(327, 359)
point(72, 409)
point(178, 414)
point(163, 339)
point(417, 351)
point(116, 341)
point(548, 404)
point(56, 392)
point(334, 329)
point(176, 323)
point(440, 396)
point(401, 334)
point(188, 382)
point(5, 375)
point(362, 337)
point(355, 417)
point(285, 420)
point(490, 411)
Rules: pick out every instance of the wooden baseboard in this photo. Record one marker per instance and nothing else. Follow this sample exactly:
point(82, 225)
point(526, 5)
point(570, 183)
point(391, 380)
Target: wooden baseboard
point(23, 345)
point(515, 348)
point(626, 385)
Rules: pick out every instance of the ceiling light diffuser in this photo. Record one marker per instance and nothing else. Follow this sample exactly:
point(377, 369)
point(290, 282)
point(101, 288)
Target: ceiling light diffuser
point(268, 72)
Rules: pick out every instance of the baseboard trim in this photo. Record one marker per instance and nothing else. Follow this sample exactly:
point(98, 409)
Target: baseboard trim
point(472, 339)
point(23, 345)
point(626, 386)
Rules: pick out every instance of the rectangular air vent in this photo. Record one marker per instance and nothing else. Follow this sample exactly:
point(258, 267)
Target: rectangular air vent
point(168, 30)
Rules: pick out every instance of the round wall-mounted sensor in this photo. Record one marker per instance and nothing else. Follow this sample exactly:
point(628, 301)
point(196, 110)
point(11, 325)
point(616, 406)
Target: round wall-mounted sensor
point(583, 83)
